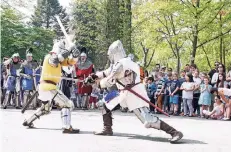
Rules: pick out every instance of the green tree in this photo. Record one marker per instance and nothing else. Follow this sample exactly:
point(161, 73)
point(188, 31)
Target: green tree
point(17, 37)
point(90, 28)
point(44, 15)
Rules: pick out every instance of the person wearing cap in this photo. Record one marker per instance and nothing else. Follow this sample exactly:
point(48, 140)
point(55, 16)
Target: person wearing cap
point(27, 72)
point(12, 84)
point(83, 68)
point(49, 94)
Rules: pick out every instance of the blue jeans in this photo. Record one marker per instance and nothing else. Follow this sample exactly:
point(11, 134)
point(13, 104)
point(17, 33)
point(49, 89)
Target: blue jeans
point(166, 103)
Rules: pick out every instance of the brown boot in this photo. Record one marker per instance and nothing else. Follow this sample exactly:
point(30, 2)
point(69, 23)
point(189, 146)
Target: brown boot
point(176, 135)
point(71, 131)
point(107, 122)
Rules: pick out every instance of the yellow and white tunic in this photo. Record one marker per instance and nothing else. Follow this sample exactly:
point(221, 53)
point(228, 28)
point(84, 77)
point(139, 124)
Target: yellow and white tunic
point(50, 77)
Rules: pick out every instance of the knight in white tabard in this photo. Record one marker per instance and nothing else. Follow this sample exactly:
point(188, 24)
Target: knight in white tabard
point(124, 72)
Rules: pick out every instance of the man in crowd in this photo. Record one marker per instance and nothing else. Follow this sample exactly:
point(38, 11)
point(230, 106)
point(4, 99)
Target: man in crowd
point(12, 84)
point(124, 72)
point(50, 77)
point(211, 73)
point(187, 68)
point(83, 69)
point(27, 72)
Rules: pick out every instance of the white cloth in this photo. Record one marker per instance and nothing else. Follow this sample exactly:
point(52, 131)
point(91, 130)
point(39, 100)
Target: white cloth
point(61, 100)
point(197, 82)
point(187, 94)
point(127, 99)
point(130, 100)
point(215, 78)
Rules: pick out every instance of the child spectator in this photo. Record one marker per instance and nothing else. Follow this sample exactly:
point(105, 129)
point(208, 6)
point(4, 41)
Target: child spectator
point(160, 89)
point(151, 89)
point(196, 93)
point(167, 93)
point(205, 97)
point(94, 96)
point(174, 93)
point(181, 80)
point(187, 94)
point(218, 110)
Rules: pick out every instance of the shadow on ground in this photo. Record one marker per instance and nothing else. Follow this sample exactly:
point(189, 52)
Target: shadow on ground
point(136, 136)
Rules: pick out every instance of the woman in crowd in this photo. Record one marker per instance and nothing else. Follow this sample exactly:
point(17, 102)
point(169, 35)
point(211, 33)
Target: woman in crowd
point(218, 110)
point(221, 70)
point(187, 94)
point(228, 78)
point(221, 83)
point(205, 97)
point(227, 100)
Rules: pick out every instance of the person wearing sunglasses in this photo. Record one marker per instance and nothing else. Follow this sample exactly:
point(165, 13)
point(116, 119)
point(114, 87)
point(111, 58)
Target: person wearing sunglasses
point(211, 73)
point(221, 70)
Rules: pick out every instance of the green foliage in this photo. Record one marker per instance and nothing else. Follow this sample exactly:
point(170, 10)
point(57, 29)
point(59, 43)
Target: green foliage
point(44, 15)
point(185, 27)
point(17, 37)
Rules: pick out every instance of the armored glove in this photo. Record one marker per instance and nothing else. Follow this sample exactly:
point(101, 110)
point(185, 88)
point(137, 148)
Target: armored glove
point(73, 49)
point(65, 53)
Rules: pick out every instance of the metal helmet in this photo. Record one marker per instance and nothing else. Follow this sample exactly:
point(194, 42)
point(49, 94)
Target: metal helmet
point(58, 47)
point(29, 52)
point(83, 54)
point(116, 51)
point(15, 55)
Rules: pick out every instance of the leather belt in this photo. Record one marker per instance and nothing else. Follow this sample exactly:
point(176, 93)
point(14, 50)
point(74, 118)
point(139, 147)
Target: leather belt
point(48, 81)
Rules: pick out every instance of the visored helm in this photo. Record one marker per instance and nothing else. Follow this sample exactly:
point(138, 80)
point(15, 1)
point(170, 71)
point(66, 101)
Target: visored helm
point(116, 52)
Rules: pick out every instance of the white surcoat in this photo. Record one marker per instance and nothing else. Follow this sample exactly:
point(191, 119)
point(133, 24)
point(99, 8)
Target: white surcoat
point(119, 72)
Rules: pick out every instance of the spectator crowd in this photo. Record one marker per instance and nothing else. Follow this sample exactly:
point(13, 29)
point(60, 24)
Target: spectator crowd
point(190, 94)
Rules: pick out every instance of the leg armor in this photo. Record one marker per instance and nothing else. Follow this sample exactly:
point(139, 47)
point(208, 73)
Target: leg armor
point(34, 102)
point(3, 93)
point(151, 121)
point(17, 100)
point(44, 109)
point(6, 99)
point(67, 105)
point(26, 96)
point(66, 118)
point(107, 122)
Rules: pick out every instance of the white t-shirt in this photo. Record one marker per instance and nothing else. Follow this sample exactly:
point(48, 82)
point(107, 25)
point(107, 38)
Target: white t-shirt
point(215, 78)
point(187, 94)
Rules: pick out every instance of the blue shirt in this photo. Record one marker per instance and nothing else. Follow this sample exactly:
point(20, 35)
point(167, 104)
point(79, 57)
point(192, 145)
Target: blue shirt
point(167, 85)
point(151, 89)
point(174, 84)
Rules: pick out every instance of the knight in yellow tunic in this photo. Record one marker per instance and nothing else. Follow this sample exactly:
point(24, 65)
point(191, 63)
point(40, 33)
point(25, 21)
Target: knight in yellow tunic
point(50, 77)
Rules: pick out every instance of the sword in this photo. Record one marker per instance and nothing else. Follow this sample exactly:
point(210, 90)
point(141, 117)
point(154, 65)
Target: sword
point(141, 97)
point(29, 102)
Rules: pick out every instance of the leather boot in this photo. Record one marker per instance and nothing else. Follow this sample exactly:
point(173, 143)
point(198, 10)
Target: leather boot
point(107, 122)
point(71, 131)
point(176, 135)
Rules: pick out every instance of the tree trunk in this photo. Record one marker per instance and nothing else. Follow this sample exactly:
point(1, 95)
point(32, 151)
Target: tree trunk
point(195, 35)
point(178, 61)
point(221, 40)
